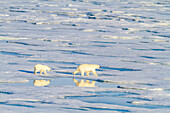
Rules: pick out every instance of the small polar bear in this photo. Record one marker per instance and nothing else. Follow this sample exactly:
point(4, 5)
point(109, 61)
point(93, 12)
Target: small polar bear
point(83, 83)
point(41, 68)
point(87, 68)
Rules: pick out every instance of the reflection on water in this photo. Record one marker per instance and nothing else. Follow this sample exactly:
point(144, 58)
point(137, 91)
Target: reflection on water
point(83, 83)
point(41, 82)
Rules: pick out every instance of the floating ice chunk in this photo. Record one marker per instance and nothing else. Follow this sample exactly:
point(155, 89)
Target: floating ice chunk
point(69, 9)
point(96, 10)
point(156, 89)
point(163, 24)
point(20, 99)
point(52, 5)
point(156, 40)
point(41, 23)
point(137, 102)
point(13, 81)
point(10, 38)
point(153, 63)
point(117, 11)
point(71, 5)
point(132, 29)
point(4, 15)
point(89, 30)
point(116, 37)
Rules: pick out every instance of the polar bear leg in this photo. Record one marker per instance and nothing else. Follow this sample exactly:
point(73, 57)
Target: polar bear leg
point(94, 72)
point(87, 73)
point(35, 71)
point(45, 72)
point(41, 71)
point(75, 72)
point(82, 73)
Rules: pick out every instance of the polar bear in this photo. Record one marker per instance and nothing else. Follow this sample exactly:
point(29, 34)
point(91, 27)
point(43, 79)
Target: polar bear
point(41, 68)
point(83, 83)
point(87, 68)
point(41, 82)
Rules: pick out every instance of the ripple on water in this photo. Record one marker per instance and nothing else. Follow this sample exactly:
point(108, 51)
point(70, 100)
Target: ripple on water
point(19, 105)
point(14, 54)
point(150, 57)
point(5, 92)
point(22, 43)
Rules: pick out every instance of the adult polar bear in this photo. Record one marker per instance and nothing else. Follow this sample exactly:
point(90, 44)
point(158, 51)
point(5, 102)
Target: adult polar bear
point(87, 68)
point(41, 68)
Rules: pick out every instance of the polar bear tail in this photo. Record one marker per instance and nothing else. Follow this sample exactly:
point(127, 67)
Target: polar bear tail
point(35, 71)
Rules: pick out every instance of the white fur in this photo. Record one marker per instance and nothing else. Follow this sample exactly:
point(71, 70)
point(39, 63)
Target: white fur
point(41, 68)
point(87, 68)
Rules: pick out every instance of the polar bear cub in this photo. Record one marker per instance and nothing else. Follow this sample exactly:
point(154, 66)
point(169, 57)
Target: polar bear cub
point(87, 68)
point(41, 68)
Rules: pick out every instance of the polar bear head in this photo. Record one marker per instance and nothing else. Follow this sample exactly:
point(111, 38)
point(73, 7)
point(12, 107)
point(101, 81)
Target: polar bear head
point(96, 66)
